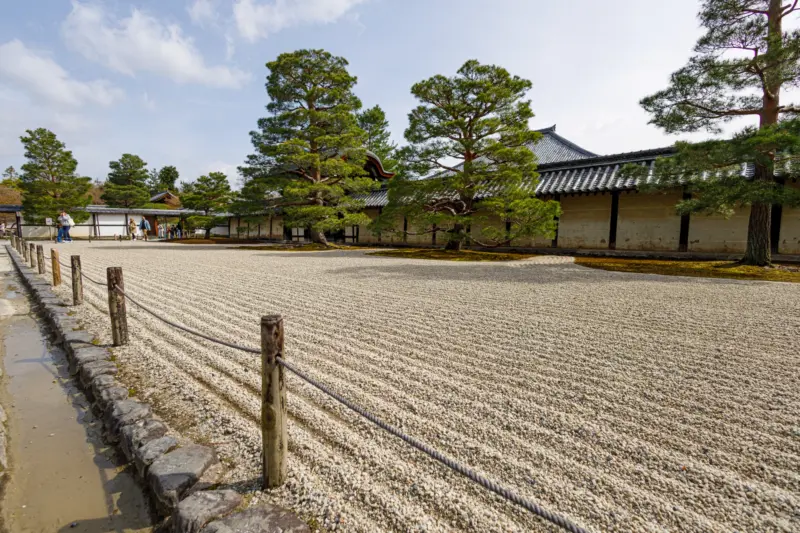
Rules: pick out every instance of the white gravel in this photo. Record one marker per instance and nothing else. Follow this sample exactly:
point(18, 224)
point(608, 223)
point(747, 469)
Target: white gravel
point(625, 402)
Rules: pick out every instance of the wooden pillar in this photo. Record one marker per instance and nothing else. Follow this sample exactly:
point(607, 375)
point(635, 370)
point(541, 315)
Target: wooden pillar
point(683, 237)
point(612, 229)
point(25, 250)
point(554, 243)
point(273, 403)
point(116, 306)
point(77, 280)
point(40, 259)
point(54, 261)
point(32, 254)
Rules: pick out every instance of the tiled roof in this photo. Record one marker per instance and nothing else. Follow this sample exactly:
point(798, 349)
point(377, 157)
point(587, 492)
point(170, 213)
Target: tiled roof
point(552, 148)
point(596, 174)
point(588, 175)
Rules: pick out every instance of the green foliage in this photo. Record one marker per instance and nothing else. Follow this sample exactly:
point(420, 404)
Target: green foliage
point(168, 178)
point(740, 66)
point(11, 179)
point(161, 180)
point(309, 153)
point(373, 122)
point(209, 194)
point(126, 185)
point(49, 179)
point(479, 119)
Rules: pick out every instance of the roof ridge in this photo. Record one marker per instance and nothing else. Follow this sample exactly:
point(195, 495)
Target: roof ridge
point(622, 156)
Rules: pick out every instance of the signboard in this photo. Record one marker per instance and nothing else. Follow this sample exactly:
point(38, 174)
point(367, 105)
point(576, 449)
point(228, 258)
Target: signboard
point(48, 221)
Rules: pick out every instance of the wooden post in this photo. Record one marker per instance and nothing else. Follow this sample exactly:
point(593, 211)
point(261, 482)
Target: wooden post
point(273, 403)
point(116, 307)
point(40, 259)
point(25, 251)
point(56, 267)
point(77, 280)
point(32, 255)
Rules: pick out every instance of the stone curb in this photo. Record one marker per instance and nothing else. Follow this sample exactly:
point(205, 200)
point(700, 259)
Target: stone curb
point(168, 473)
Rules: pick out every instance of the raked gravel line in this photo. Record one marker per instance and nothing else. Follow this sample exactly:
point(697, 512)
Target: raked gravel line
point(625, 402)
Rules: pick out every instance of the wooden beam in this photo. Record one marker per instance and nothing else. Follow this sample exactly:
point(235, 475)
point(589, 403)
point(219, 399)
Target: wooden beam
point(612, 229)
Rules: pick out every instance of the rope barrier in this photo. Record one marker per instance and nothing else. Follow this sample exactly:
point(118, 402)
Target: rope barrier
point(419, 445)
point(413, 442)
point(83, 274)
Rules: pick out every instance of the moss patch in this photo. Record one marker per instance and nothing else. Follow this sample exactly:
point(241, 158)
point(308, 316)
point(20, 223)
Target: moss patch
point(700, 269)
point(439, 254)
point(212, 241)
point(311, 247)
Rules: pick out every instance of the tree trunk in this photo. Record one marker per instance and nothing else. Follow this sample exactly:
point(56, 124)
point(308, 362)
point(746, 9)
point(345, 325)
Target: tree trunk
point(758, 234)
point(318, 237)
point(208, 233)
point(456, 239)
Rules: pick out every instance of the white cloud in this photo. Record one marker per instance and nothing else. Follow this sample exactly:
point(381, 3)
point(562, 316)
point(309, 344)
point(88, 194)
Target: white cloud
point(148, 102)
point(141, 42)
point(203, 12)
point(257, 20)
point(37, 74)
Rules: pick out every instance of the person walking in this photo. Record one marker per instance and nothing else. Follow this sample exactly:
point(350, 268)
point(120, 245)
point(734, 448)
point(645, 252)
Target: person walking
point(132, 229)
point(65, 222)
point(144, 225)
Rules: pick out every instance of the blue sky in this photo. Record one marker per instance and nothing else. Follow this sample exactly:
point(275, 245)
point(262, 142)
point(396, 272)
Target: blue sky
point(182, 81)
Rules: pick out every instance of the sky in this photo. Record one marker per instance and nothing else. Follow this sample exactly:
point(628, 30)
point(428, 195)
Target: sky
point(181, 82)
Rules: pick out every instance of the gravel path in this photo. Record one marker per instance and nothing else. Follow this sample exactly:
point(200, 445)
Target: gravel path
point(624, 402)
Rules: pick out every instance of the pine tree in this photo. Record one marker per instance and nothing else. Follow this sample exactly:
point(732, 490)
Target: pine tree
point(740, 66)
point(168, 178)
point(479, 119)
point(373, 122)
point(127, 182)
point(310, 150)
point(210, 194)
point(49, 180)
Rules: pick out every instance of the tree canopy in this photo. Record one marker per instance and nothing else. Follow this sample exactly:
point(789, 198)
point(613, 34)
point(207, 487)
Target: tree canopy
point(49, 179)
point(210, 194)
point(309, 153)
point(373, 122)
point(469, 161)
point(126, 185)
point(739, 68)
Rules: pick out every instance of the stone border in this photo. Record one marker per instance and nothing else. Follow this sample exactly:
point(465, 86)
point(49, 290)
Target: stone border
point(176, 478)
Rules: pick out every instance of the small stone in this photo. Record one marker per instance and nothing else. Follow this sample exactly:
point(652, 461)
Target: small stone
point(113, 394)
point(101, 383)
point(144, 456)
point(123, 413)
point(171, 475)
point(201, 507)
point(90, 371)
point(262, 519)
point(87, 354)
point(136, 435)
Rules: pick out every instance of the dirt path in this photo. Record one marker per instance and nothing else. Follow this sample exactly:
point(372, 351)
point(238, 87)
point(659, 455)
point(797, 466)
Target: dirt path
point(62, 476)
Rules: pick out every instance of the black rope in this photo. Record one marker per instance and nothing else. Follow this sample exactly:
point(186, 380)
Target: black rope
point(184, 328)
point(83, 274)
point(447, 461)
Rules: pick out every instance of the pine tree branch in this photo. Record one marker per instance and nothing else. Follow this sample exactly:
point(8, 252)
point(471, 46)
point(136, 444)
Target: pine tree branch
point(789, 109)
point(720, 113)
point(789, 8)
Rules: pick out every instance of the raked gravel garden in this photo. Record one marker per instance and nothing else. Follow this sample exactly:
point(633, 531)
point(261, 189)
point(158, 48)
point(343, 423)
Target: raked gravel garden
point(625, 402)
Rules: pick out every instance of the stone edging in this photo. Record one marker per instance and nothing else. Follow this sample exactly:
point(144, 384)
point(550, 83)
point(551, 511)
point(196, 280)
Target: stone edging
point(176, 478)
